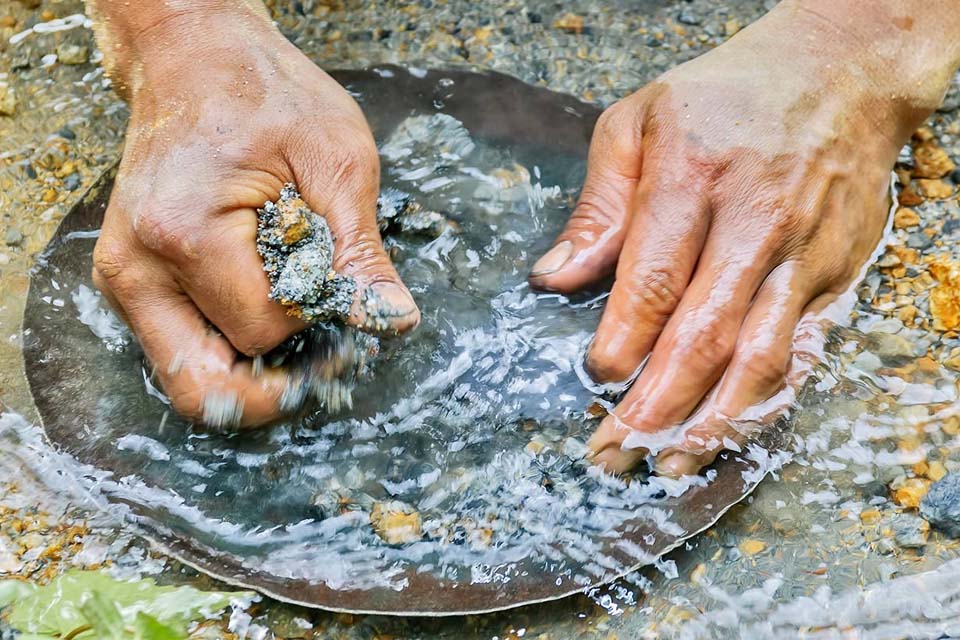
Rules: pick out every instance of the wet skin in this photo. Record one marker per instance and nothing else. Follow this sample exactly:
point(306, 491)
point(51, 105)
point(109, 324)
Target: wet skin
point(733, 196)
point(215, 131)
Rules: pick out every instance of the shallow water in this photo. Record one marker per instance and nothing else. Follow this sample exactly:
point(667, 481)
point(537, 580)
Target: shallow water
point(882, 408)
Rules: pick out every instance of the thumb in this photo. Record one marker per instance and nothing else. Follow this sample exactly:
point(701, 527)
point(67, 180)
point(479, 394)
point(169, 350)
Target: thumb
point(587, 249)
point(346, 195)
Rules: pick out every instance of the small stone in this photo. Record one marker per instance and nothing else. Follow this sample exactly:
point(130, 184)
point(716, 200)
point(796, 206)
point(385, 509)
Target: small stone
point(909, 531)
point(731, 27)
point(72, 182)
point(569, 22)
point(945, 297)
point(889, 259)
point(934, 189)
point(909, 197)
point(8, 21)
point(905, 218)
point(930, 161)
point(941, 506)
point(919, 241)
point(395, 523)
point(910, 492)
point(67, 133)
point(752, 547)
point(688, 17)
point(870, 516)
point(907, 314)
point(72, 54)
point(13, 237)
point(8, 101)
point(46, 15)
point(698, 573)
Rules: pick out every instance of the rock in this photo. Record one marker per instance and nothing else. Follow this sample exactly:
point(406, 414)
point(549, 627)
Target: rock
point(941, 506)
point(297, 249)
point(731, 27)
point(934, 189)
point(930, 161)
point(13, 237)
point(72, 182)
point(752, 547)
point(72, 54)
point(688, 17)
point(8, 100)
point(909, 197)
point(395, 522)
point(8, 21)
point(909, 531)
point(909, 492)
point(919, 240)
point(945, 297)
point(569, 22)
point(905, 218)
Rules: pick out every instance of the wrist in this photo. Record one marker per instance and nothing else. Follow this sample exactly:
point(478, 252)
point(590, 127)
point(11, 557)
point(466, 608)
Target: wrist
point(896, 58)
point(170, 34)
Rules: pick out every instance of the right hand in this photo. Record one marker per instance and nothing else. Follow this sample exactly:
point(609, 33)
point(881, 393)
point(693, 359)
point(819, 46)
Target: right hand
point(217, 126)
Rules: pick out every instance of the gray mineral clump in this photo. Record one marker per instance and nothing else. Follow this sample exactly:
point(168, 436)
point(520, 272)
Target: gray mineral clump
point(941, 506)
point(297, 250)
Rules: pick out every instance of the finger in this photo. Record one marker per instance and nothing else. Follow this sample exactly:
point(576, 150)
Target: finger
point(757, 372)
point(347, 198)
point(101, 284)
point(197, 367)
point(229, 286)
point(587, 249)
point(688, 359)
point(667, 233)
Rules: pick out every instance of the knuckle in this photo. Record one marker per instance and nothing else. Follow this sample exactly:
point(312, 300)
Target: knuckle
point(164, 232)
point(604, 367)
point(763, 370)
point(656, 292)
point(711, 347)
point(256, 338)
point(113, 267)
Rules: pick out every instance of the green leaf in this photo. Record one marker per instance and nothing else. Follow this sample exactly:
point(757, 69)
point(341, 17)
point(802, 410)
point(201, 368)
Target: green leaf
point(57, 609)
point(103, 616)
point(148, 628)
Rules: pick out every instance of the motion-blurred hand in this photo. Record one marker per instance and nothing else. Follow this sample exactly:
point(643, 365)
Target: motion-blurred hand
point(217, 126)
point(732, 196)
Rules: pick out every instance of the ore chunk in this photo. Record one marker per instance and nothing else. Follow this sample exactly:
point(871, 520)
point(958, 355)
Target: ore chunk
point(941, 506)
point(297, 250)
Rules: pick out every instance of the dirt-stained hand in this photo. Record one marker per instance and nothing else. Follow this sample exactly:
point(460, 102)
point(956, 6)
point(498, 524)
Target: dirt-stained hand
point(730, 197)
point(217, 126)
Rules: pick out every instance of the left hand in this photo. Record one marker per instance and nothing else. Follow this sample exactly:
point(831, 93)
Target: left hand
point(732, 196)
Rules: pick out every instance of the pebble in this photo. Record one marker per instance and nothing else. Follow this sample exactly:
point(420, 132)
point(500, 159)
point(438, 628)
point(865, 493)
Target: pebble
point(72, 182)
point(688, 17)
point(905, 218)
point(941, 506)
point(934, 189)
point(13, 237)
point(910, 492)
point(919, 240)
point(752, 547)
point(909, 531)
point(72, 54)
point(8, 101)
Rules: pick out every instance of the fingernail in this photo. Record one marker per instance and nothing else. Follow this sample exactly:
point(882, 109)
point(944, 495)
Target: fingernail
point(676, 465)
point(553, 260)
point(389, 305)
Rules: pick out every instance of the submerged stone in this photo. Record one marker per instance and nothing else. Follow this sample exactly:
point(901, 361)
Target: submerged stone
point(941, 506)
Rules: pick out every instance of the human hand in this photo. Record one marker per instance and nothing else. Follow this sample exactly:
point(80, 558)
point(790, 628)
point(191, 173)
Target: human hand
point(217, 127)
point(732, 196)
